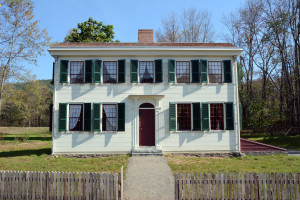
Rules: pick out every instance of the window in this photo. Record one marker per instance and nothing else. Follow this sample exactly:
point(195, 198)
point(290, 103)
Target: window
point(109, 118)
point(183, 72)
point(77, 72)
point(146, 72)
point(216, 116)
point(215, 71)
point(109, 72)
point(184, 117)
point(75, 117)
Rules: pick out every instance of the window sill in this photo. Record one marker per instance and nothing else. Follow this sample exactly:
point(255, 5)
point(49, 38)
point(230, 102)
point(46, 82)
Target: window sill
point(200, 131)
point(91, 132)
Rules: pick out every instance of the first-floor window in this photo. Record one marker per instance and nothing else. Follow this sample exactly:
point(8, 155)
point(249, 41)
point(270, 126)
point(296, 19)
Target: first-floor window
point(184, 117)
point(146, 72)
point(77, 72)
point(216, 116)
point(109, 72)
point(215, 71)
point(75, 117)
point(109, 119)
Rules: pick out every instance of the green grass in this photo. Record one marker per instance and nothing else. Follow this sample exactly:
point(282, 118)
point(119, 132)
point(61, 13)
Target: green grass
point(34, 154)
point(287, 142)
point(40, 160)
point(274, 163)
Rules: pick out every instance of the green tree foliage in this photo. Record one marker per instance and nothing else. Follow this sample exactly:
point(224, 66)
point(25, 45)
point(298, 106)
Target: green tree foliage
point(27, 104)
point(20, 40)
point(268, 32)
point(91, 31)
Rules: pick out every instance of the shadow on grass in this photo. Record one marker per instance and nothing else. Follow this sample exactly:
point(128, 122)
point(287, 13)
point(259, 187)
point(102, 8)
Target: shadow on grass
point(30, 138)
point(37, 152)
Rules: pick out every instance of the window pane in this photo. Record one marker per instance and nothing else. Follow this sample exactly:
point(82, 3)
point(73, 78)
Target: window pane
point(182, 72)
point(109, 72)
point(75, 117)
point(146, 72)
point(109, 119)
point(77, 72)
point(216, 116)
point(184, 117)
point(215, 72)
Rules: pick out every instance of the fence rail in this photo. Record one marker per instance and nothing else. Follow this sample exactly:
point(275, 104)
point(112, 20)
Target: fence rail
point(59, 185)
point(240, 186)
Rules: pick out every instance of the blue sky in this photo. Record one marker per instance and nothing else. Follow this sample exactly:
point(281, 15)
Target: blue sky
point(127, 16)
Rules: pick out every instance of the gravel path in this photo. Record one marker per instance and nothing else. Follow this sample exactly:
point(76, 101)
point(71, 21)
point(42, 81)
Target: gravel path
point(149, 178)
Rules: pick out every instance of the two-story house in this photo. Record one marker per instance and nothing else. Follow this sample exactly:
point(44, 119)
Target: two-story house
point(123, 97)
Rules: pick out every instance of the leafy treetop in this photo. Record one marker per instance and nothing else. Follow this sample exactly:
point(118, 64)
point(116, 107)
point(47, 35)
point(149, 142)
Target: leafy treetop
point(91, 31)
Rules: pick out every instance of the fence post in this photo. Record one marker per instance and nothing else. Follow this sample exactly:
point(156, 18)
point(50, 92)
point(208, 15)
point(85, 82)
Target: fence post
point(121, 197)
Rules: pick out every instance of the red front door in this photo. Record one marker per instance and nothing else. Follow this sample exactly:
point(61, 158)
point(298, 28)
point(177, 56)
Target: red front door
point(147, 127)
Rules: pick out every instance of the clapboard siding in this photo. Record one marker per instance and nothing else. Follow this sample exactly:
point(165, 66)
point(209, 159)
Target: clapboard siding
point(99, 142)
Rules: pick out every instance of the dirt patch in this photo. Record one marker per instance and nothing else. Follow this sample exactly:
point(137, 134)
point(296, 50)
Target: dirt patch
point(23, 130)
point(12, 146)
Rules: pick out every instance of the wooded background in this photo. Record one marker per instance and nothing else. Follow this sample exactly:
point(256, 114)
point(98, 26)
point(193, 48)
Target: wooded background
point(27, 104)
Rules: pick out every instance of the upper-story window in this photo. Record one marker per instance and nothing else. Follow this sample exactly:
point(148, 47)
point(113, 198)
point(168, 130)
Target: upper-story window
point(75, 117)
point(76, 72)
point(216, 116)
point(215, 71)
point(109, 72)
point(182, 72)
point(146, 72)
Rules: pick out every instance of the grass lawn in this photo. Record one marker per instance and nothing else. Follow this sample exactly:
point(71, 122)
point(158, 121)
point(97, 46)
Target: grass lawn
point(33, 154)
point(287, 142)
point(274, 163)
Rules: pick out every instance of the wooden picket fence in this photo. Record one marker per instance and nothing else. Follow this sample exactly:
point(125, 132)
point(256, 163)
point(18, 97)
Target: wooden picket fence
point(59, 185)
point(238, 186)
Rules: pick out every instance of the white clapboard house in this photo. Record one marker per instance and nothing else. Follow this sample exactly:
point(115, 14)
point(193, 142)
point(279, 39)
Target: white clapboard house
point(145, 96)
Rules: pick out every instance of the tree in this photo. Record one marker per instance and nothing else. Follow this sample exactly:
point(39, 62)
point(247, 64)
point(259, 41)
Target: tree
point(170, 31)
point(20, 40)
point(268, 31)
point(191, 26)
point(91, 31)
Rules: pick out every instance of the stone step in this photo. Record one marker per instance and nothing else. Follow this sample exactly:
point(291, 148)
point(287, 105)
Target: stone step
point(147, 153)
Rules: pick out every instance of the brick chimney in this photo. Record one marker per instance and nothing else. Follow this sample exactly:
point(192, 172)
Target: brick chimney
point(146, 35)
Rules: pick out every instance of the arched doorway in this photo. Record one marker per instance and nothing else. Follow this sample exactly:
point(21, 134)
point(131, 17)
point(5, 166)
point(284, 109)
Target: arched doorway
point(147, 125)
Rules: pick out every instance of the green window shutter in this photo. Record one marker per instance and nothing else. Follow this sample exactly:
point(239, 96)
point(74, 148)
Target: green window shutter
point(121, 71)
point(96, 116)
point(62, 118)
point(87, 117)
point(229, 116)
point(196, 117)
point(172, 116)
point(203, 66)
point(134, 71)
point(205, 116)
point(88, 71)
point(158, 71)
point(227, 71)
point(195, 71)
point(241, 116)
point(64, 71)
point(121, 116)
point(171, 68)
point(97, 71)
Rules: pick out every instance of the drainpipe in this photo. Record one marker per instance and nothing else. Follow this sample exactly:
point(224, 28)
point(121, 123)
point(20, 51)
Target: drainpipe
point(237, 123)
point(54, 103)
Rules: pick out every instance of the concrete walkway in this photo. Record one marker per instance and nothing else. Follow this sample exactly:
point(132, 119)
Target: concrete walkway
point(293, 152)
point(149, 178)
